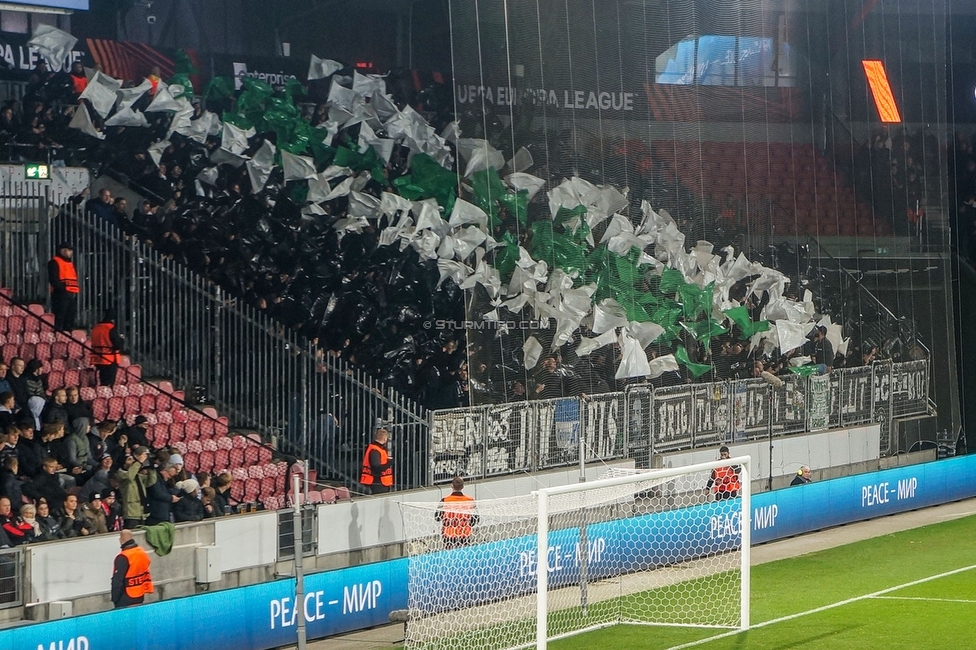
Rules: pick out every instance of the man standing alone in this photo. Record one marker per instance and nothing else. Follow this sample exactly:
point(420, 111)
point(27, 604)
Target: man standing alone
point(456, 515)
point(63, 278)
point(377, 473)
point(131, 580)
point(106, 345)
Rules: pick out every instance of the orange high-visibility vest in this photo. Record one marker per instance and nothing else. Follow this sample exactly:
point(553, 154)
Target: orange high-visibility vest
point(367, 478)
point(456, 519)
point(79, 84)
point(726, 480)
point(103, 352)
point(138, 582)
point(67, 274)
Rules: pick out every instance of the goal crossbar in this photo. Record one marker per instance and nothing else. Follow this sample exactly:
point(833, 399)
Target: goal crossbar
point(543, 497)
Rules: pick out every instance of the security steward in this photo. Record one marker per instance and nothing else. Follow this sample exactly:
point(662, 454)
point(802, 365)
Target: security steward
point(457, 516)
point(131, 580)
point(724, 480)
point(377, 473)
point(63, 278)
point(106, 345)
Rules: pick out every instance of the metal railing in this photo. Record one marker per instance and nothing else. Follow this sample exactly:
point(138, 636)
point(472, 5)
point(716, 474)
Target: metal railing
point(874, 323)
point(641, 421)
point(178, 325)
point(11, 577)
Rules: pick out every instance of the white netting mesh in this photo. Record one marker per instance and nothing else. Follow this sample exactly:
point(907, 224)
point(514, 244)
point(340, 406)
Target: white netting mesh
point(657, 551)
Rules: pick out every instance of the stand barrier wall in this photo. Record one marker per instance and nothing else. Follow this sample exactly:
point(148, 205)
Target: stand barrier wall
point(264, 616)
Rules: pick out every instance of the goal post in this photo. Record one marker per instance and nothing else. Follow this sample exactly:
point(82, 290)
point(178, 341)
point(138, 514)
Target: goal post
point(742, 508)
point(660, 547)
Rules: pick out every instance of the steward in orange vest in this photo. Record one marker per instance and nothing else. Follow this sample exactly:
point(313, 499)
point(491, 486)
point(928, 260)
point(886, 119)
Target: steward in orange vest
point(724, 480)
point(63, 278)
point(456, 515)
point(106, 345)
point(131, 580)
point(377, 473)
point(79, 80)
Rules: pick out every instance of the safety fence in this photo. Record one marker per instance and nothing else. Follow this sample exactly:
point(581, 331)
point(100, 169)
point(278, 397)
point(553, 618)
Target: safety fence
point(178, 325)
point(641, 421)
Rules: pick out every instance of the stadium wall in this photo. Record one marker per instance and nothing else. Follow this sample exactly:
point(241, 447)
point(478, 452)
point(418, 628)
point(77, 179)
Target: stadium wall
point(264, 616)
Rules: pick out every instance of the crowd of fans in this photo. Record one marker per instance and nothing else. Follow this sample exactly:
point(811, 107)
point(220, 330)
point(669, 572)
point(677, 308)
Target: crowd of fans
point(361, 301)
point(63, 475)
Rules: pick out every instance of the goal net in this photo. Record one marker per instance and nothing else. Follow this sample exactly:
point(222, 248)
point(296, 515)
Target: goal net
point(655, 548)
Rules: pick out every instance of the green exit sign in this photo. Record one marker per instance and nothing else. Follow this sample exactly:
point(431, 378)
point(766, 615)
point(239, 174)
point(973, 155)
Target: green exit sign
point(37, 171)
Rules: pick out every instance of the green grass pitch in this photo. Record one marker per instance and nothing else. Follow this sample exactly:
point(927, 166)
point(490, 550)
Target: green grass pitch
point(933, 614)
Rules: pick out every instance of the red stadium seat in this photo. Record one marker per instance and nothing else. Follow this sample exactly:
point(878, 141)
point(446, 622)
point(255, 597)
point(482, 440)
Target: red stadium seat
point(328, 495)
point(59, 350)
point(179, 445)
point(132, 405)
point(100, 408)
point(207, 428)
point(342, 494)
point(33, 338)
point(224, 443)
point(55, 379)
point(239, 441)
point(179, 415)
point(237, 491)
point(236, 456)
point(255, 471)
point(209, 445)
point(116, 407)
point(222, 426)
point(222, 458)
point(147, 403)
point(314, 496)
point(165, 417)
point(192, 430)
point(206, 461)
point(252, 454)
point(191, 461)
point(252, 489)
point(176, 431)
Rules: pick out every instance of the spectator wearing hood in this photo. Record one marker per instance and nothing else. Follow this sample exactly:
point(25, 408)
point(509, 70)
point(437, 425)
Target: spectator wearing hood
point(36, 389)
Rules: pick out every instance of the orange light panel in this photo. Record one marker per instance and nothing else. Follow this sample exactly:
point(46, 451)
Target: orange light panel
point(884, 100)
